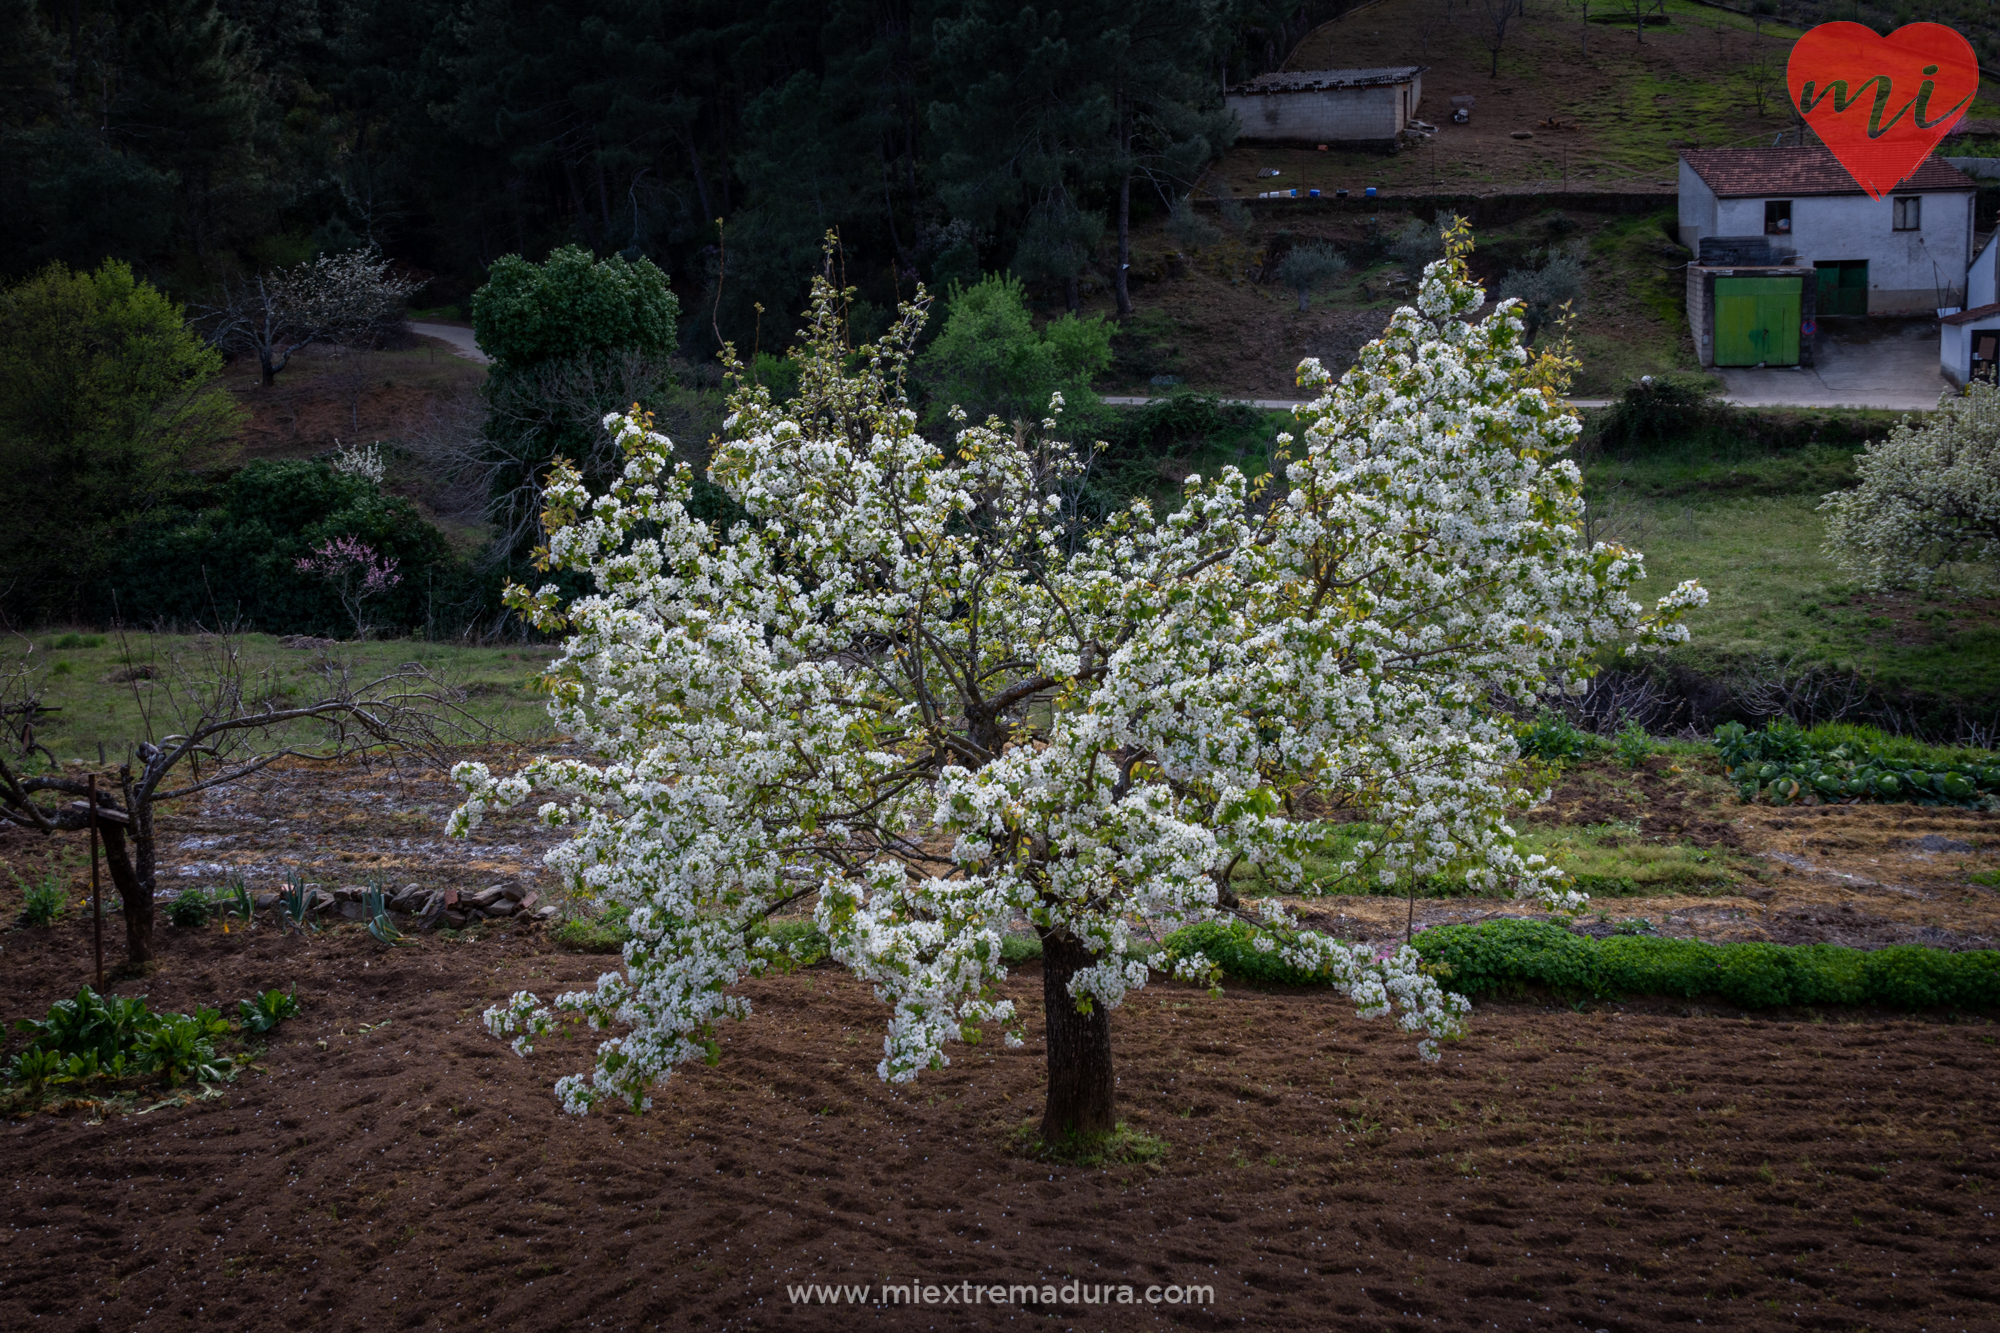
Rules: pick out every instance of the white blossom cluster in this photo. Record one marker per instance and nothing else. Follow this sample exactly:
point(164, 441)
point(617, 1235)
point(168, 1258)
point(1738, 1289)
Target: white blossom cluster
point(913, 691)
point(1929, 495)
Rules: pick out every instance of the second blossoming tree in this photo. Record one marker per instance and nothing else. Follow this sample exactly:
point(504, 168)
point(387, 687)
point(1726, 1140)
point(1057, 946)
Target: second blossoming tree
point(916, 694)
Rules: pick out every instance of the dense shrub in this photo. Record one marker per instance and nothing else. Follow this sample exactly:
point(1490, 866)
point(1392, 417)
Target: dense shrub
point(1228, 945)
point(235, 558)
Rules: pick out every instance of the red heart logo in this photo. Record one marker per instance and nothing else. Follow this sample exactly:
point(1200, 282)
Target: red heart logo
point(1882, 103)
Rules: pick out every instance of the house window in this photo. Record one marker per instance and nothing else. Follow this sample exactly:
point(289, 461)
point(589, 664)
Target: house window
point(1910, 212)
point(1777, 217)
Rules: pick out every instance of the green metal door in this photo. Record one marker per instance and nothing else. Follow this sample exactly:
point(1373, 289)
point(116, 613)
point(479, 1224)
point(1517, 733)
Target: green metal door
point(1843, 287)
point(1757, 321)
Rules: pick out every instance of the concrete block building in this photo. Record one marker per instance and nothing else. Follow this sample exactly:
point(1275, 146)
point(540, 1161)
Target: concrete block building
point(1906, 254)
point(1345, 108)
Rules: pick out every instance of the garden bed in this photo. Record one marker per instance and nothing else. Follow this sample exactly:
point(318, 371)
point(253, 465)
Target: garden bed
point(390, 1164)
point(1618, 1165)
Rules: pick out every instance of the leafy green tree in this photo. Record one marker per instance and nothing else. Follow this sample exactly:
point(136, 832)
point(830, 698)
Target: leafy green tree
point(103, 394)
point(1308, 267)
point(991, 360)
point(571, 338)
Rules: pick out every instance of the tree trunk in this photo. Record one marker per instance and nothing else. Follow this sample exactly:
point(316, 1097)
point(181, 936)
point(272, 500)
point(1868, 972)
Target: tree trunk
point(134, 896)
point(1124, 223)
point(1081, 1100)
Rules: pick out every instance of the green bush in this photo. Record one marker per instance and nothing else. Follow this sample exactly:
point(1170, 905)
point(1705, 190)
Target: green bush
point(1229, 946)
point(190, 909)
point(1509, 955)
point(606, 932)
point(234, 556)
point(989, 358)
point(1553, 740)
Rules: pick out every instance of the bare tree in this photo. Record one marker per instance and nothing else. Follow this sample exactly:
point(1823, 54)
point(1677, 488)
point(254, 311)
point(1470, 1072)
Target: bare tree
point(21, 681)
point(347, 298)
point(1640, 11)
point(210, 720)
point(1760, 63)
point(1498, 14)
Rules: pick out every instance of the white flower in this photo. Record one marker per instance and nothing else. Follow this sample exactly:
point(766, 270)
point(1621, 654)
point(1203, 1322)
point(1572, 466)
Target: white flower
point(911, 695)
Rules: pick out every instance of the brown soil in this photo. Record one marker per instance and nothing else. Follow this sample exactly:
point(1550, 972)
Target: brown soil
point(390, 1164)
point(335, 394)
point(1918, 622)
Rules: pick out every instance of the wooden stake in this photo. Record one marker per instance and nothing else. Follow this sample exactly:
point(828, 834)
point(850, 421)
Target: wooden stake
point(96, 890)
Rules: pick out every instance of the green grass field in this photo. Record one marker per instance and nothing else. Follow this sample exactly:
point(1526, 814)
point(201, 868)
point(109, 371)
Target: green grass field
point(1750, 531)
point(99, 687)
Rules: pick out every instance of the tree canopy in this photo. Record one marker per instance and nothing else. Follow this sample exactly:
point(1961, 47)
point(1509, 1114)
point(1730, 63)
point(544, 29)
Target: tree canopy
point(104, 395)
point(990, 359)
point(910, 691)
point(192, 138)
point(1929, 498)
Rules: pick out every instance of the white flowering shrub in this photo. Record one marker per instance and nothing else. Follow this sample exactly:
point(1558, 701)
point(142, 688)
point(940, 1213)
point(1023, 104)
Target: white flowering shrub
point(365, 461)
point(1929, 496)
point(913, 692)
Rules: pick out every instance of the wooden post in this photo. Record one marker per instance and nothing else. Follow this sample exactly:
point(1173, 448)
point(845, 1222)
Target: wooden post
point(96, 890)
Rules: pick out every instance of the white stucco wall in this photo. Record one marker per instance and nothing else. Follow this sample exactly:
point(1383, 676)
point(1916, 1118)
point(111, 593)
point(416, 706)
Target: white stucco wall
point(1328, 114)
point(1955, 352)
point(1909, 272)
point(1697, 208)
point(1982, 284)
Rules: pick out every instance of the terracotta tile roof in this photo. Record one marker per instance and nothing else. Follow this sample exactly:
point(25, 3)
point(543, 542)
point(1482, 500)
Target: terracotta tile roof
point(1736, 173)
point(1965, 317)
point(1315, 80)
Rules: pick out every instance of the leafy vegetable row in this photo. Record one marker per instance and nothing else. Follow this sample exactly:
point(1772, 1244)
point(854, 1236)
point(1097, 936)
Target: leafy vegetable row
point(1787, 765)
point(113, 1036)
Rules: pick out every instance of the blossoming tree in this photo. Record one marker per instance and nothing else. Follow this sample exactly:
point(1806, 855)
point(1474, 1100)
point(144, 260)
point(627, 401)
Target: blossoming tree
point(355, 573)
point(1928, 498)
point(915, 693)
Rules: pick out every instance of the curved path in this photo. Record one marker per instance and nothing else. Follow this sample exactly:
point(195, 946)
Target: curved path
point(457, 336)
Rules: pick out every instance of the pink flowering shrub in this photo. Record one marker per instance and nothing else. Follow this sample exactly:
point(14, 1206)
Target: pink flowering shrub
point(356, 573)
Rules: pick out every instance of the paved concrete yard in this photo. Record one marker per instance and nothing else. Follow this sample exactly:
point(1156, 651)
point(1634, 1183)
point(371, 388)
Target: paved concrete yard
point(1872, 363)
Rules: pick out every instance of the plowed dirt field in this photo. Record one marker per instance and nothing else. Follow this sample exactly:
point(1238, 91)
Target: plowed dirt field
point(387, 1164)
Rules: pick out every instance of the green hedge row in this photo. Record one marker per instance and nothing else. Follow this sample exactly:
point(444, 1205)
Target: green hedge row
point(1509, 956)
point(1498, 957)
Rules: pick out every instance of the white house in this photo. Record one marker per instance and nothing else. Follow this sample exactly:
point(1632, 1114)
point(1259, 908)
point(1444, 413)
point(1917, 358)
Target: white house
point(1969, 344)
point(1907, 254)
point(1348, 108)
